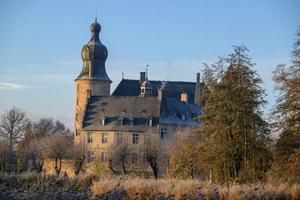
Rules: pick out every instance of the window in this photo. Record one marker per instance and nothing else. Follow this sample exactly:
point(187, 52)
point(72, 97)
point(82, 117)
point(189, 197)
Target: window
point(120, 121)
point(104, 137)
point(102, 121)
point(90, 156)
point(77, 116)
point(88, 93)
point(76, 132)
point(77, 102)
point(89, 137)
point(104, 156)
point(143, 91)
point(131, 121)
point(150, 121)
point(134, 158)
point(163, 133)
point(183, 117)
point(119, 138)
point(135, 138)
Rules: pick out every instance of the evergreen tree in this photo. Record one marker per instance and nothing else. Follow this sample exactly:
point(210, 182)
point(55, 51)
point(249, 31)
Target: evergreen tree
point(287, 117)
point(233, 122)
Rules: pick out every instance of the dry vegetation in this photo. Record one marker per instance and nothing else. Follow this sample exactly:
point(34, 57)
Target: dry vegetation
point(139, 188)
point(32, 186)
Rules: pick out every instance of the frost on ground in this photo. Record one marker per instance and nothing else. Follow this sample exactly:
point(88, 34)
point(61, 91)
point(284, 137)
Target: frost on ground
point(31, 186)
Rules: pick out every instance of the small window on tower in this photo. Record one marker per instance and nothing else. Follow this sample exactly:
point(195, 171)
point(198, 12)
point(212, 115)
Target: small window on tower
point(89, 93)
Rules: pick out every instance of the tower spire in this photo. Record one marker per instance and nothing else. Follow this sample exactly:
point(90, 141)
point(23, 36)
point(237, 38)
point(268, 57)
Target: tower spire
point(96, 15)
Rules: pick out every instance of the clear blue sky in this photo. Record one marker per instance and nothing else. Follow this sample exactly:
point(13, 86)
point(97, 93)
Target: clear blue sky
point(40, 43)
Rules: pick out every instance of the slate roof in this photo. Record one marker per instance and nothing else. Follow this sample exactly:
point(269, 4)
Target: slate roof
point(172, 89)
point(140, 109)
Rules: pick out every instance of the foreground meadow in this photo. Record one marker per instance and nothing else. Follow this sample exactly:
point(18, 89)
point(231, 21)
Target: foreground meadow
point(31, 186)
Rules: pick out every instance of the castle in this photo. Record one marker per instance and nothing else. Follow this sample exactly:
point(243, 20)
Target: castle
point(134, 110)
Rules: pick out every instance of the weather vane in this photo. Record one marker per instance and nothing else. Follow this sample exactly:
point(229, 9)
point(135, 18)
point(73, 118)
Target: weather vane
point(96, 14)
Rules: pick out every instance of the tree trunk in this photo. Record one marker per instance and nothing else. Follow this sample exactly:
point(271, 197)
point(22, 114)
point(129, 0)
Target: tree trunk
point(153, 166)
point(78, 165)
point(111, 166)
point(58, 162)
point(124, 167)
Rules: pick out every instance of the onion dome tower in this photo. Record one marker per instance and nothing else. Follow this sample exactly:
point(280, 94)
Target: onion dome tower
point(93, 79)
point(94, 55)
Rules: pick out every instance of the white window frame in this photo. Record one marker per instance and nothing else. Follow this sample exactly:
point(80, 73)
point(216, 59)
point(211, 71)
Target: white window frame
point(104, 137)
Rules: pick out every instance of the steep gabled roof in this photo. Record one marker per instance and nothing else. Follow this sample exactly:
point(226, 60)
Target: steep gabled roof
point(140, 109)
point(114, 107)
point(172, 89)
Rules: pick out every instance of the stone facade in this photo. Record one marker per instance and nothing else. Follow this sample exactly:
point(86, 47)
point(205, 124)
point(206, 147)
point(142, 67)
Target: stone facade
point(135, 111)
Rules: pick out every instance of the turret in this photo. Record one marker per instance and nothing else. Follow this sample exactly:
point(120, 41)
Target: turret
point(93, 79)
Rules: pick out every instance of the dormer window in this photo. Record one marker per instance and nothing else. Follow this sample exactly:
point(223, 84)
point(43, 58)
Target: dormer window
point(150, 121)
point(131, 121)
point(102, 121)
point(120, 121)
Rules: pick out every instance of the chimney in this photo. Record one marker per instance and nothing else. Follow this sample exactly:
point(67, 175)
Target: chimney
point(160, 93)
point(142, 77)
point(184, 97)
point(197, 90)
point(198, 77)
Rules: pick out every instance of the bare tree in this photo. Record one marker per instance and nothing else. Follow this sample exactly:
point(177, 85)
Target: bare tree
point(153, 151)
point(59, 146)
point(36, 153)
point(43, 127)
point(47, 126)
point(182, 155)
point(3, 155)
point(12, 126)
point(119, 156)
point(79, 157)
